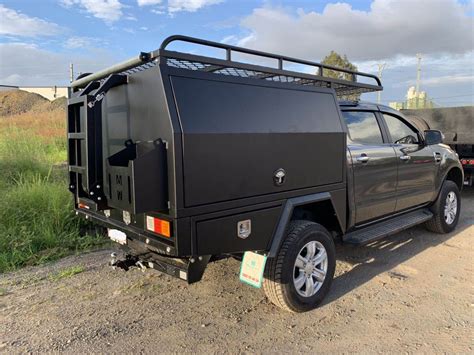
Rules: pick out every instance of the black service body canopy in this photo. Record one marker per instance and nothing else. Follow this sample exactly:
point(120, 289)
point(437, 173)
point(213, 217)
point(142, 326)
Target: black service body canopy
point(182, 135)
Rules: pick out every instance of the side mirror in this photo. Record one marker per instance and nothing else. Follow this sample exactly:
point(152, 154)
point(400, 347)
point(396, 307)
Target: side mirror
point(433, 136)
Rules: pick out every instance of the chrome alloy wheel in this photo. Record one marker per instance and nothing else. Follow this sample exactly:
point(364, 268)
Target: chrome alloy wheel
point(450, 207)
point(310, 269)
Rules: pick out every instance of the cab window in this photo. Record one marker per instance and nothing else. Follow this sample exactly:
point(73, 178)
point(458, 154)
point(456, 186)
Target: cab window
point(400, 132)
point(363, 127)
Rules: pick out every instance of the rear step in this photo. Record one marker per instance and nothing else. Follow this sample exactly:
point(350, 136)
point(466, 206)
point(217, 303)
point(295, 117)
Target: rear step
point(387, 228)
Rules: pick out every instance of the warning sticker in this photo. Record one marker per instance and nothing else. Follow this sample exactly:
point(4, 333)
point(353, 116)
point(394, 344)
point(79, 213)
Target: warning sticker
point(251, 269)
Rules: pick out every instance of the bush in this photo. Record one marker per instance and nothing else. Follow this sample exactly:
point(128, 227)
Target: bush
point(37, 223)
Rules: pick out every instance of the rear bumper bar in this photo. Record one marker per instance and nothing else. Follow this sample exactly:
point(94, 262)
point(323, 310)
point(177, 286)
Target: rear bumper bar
point(137, 235)
point(152, 252)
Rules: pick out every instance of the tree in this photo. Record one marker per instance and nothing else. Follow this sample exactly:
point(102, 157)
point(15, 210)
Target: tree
point(336, 60)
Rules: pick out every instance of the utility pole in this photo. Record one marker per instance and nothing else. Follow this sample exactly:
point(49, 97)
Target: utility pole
point(418, 73)
point(71, 72)
point(418, 79)
point(381, 68)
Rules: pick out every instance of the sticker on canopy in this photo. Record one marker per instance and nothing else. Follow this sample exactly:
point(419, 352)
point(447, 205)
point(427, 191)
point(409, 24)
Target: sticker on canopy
point(251, 269)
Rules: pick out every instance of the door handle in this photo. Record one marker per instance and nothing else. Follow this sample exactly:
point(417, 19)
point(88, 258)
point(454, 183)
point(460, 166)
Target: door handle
point(405, 157)
point(363, 158)
point(437, 157)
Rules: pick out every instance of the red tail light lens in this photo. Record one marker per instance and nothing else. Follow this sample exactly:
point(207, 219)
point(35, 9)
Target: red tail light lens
point(159, 226)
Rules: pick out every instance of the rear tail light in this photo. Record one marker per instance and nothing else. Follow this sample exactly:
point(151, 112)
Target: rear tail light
point(467, 161)
point(159, 226)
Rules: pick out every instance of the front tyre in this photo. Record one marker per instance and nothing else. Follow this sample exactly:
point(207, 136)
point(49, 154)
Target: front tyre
point(446, 209)
point(300, 276)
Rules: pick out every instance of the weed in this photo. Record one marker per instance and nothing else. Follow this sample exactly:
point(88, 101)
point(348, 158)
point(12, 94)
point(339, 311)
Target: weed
point(66, 273)
point(37, 223)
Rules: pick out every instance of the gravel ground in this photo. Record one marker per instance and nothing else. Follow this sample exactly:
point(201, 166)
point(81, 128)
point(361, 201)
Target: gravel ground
point(410, 293)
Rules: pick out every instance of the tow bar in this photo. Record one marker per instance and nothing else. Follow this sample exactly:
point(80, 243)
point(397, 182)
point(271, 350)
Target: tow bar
point(127, 263)
point(190, 270)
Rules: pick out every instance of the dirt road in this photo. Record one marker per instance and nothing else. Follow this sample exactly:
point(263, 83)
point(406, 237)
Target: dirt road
point(410, 293)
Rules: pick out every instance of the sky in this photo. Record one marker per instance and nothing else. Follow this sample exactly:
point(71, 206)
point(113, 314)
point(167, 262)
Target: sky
point(39, 38)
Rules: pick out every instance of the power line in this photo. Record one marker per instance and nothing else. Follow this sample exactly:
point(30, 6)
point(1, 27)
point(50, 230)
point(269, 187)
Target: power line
point(433, 98)
point(448, 97)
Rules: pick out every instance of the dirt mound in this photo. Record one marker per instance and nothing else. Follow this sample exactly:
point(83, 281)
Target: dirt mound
point(14, 102)
point(59, 104)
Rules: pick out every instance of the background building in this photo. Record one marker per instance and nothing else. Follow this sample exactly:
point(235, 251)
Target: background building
point(415, 100)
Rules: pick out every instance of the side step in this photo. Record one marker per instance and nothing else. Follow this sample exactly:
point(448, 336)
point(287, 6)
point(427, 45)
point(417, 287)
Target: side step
point(388, 227)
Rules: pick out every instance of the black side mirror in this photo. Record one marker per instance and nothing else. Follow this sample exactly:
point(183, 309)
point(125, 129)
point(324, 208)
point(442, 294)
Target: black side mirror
point(433, 136)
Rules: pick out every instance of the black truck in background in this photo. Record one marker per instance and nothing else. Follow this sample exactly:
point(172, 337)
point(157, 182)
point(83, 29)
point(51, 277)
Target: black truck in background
point(457, 125)
point(187, 159)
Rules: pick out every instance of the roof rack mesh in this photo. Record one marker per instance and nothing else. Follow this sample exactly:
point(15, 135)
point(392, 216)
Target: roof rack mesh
point(341, 89)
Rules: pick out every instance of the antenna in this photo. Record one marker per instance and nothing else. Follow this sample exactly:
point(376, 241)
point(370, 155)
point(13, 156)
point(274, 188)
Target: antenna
point(381, 68)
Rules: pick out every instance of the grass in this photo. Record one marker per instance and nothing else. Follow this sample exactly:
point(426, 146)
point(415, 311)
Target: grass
point(68, 272)
point(37, 223)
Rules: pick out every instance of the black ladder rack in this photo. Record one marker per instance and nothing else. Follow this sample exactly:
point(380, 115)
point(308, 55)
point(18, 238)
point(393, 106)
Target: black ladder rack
point(84, 135)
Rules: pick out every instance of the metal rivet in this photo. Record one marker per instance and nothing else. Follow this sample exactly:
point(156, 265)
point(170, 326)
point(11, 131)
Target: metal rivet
point(92, 192)
point(98, 186)
point(71, 186)
point(77, 213)
point(200, 258)
point(99, 198)
point(168, 249)
point(192, 260)
point(87, 217)
point(147, 241)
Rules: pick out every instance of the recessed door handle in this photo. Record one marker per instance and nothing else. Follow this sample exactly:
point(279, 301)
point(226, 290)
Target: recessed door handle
point(363, 159)
point(405, 157)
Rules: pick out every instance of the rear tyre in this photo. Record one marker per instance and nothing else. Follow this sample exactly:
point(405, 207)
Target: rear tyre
point(300, 276)
point(446, 209)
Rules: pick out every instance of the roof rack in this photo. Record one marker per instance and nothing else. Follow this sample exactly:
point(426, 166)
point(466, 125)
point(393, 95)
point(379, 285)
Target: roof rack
point(228, 66)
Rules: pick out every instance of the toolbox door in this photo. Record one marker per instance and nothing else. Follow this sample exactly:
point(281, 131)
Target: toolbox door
point(242, 140)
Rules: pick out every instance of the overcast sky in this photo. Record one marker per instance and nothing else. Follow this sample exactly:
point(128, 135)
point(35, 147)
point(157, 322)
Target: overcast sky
point(38, 39)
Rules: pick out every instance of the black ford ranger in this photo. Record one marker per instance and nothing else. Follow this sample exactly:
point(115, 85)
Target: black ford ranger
point(187, 159)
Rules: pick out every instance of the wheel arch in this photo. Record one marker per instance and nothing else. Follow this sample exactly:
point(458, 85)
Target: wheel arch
point(325, 208)
point(455, 175)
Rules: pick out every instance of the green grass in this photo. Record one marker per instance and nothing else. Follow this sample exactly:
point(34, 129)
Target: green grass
point(37, 223)
point(68, 272)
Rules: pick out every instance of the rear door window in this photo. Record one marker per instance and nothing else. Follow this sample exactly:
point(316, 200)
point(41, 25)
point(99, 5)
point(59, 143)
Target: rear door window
point(363, 127)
